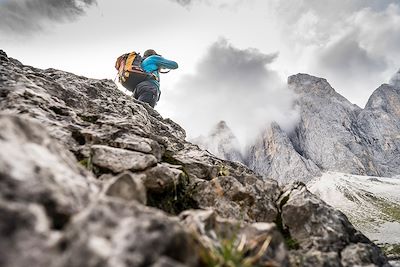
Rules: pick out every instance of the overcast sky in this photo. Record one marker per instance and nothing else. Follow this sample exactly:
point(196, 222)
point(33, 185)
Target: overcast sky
point(234, 55)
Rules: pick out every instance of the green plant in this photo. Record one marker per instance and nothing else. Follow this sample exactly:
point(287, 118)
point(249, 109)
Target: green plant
point(223, 170)
point(291, 243)
point(391, 250)
point(236, 252)
point(87, 163)
point(387, 207)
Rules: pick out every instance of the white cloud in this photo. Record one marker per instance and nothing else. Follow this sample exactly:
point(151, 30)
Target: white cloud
point(220, 3)
point(26, 16)
point(234, 85)
point(395, 80)
point(354, 44)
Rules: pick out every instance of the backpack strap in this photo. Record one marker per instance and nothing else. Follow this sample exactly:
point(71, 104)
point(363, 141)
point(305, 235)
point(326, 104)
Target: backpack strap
point(129, 61)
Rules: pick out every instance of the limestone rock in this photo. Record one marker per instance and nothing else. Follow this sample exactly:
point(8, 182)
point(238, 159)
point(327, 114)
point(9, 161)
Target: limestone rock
point(41, 188)
point(249, 198)
point(332, 135)
point(203, 165)
point(339, 136)
point(379, 126)
point(36, 169)
point(162, 177)
point(24, 228)
point(315, 258)
point(309, 221)
point(257, 243)
point(119, 138)
point(119, 160)
point(362, 255)
point(327, 134)
point(127, 186)
point(274, 156)
point(319, 228)
point(112, 233)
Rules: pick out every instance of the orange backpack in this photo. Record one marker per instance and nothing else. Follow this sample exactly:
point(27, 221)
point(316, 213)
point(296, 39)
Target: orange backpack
point(130, 71)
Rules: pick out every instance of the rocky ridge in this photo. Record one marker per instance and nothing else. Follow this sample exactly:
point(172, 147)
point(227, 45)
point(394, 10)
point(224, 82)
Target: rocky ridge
point(91, 177)
point(274, 155)
point(332, 135)
point(339, 136)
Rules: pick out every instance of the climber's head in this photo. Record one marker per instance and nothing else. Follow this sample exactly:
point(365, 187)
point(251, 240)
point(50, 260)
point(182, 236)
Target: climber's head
point(150, 52)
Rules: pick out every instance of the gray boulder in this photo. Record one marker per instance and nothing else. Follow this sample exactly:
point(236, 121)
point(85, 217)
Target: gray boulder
point(114, 233)
point(248, 199)
point(256, 244)
point(324, 234)
point(126, 186)
point(41, 188)
point(119, 160)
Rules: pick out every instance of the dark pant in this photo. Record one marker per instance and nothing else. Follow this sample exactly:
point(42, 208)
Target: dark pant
point(146, 92)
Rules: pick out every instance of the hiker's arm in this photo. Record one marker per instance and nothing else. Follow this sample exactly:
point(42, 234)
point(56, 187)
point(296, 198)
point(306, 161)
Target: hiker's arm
point(165, 63)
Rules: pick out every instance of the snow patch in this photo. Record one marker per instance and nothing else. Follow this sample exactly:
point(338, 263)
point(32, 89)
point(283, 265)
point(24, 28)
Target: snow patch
point(372, 204)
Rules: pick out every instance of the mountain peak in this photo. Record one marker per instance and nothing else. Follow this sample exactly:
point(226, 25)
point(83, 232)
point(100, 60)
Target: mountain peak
point(386, 97)
point(222, 142)
point(307, 84)
point(221, 126)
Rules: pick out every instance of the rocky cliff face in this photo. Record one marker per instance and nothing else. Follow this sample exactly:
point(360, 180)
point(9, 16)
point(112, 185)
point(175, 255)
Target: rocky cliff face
point(326, 133)
point(274, 156)
point(90, 177)
point(379, 128)
point(332, 135)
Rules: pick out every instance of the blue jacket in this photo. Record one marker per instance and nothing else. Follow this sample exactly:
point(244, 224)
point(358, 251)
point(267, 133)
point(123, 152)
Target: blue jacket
point(153, 64)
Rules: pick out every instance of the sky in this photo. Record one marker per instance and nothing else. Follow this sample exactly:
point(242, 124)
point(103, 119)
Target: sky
point(234, 56)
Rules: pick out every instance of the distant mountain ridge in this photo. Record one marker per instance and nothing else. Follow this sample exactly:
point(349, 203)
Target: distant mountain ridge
point(222, 142)
point(332, 135)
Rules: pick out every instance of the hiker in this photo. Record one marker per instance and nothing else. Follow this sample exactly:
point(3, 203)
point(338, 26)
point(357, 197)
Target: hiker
point(142, 75)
